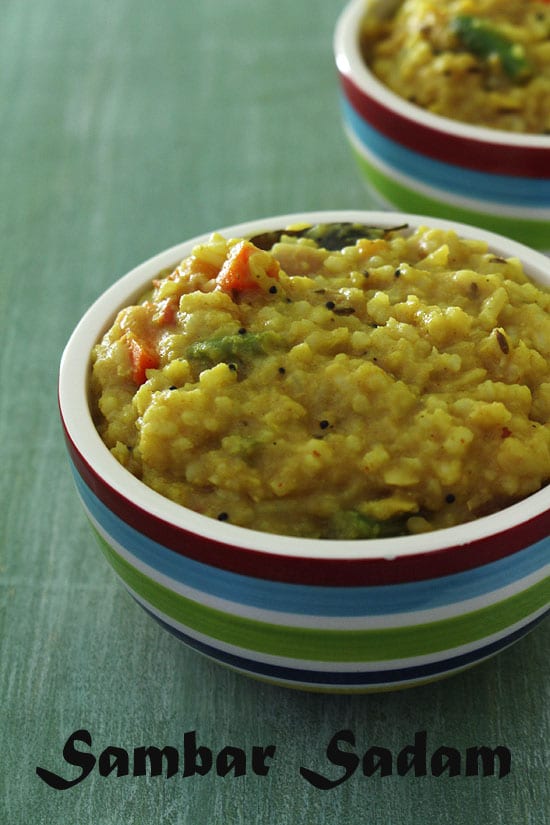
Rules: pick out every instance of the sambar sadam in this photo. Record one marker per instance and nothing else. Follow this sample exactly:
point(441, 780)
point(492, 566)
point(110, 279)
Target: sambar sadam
point(333, 381)
point(485, 62)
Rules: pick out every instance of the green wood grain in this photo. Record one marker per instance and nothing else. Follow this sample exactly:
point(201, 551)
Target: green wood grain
point(125, 128)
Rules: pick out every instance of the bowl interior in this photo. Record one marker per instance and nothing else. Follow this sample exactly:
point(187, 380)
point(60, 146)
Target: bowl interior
point(350, 63)
point(80, 429)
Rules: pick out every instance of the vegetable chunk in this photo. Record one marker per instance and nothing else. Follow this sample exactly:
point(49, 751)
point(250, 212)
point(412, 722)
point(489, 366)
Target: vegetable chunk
point(247, 268)
point(485, 40)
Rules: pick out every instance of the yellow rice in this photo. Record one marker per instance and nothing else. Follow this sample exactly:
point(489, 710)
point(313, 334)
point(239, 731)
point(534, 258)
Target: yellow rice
point(418, 55)
point(402, 378)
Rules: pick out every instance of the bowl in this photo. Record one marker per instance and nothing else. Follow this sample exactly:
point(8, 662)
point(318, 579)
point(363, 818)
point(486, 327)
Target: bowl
point(417, 161)
point(332, 616)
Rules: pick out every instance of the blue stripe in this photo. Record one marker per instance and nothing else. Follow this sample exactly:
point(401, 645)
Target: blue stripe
point(316, 600)
point(503, 189)
point(356, 678)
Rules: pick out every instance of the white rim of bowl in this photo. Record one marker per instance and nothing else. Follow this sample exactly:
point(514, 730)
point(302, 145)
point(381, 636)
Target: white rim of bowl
point(73, 399)
point(350, 63)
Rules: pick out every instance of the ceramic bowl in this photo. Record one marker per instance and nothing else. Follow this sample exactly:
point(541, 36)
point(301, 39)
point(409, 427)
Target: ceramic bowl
point(416, 161)
point(340, 616)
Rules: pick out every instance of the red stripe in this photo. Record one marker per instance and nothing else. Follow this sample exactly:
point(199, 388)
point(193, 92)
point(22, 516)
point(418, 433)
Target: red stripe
point(502, 159)
point(323, 572)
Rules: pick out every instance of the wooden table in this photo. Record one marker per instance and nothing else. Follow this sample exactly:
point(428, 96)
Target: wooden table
point(126, 127)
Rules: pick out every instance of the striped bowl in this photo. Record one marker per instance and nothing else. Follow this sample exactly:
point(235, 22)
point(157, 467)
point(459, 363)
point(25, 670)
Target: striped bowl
point(338, 616)
point(416, 161)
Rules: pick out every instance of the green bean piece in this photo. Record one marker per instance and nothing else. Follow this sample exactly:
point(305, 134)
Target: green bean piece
point(229, 348)
point(350, 524)
point(483, 39)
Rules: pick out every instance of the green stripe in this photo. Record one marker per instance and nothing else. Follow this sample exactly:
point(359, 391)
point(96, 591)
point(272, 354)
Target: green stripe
point(531, 232)
point(330, 645)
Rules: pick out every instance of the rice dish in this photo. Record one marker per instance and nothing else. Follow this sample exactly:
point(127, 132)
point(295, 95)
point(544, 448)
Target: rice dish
point(334, 381)
point(485, 62)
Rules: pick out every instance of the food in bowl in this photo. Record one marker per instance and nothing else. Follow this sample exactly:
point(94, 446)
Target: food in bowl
point(485, 63)
point(333, 381)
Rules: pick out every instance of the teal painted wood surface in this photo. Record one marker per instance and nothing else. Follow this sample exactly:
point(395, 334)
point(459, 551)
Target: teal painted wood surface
point(125, 128)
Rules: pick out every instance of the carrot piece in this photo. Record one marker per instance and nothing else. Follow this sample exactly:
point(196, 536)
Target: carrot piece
point(142, 359)
point(237, 275)
point(166, 314)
